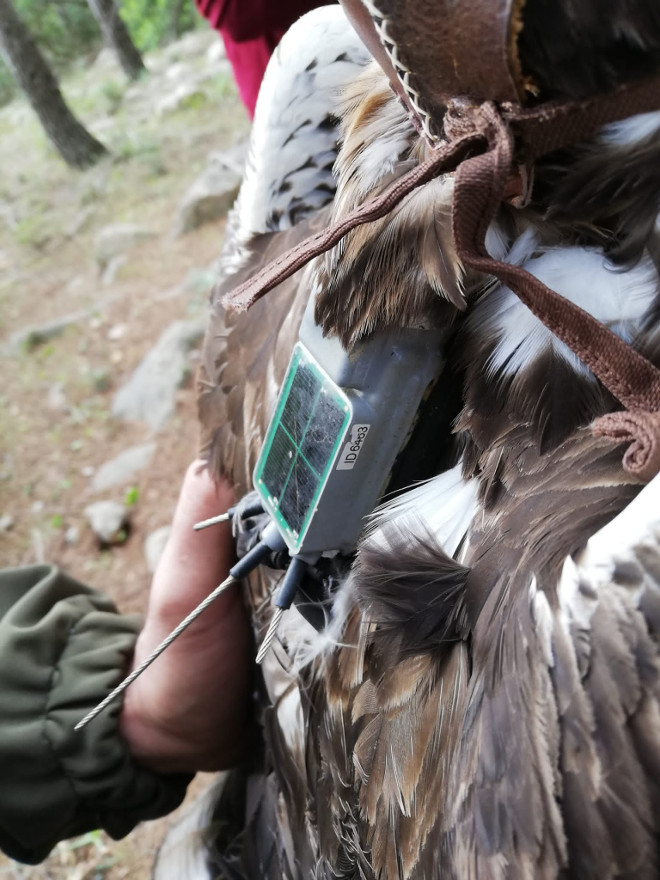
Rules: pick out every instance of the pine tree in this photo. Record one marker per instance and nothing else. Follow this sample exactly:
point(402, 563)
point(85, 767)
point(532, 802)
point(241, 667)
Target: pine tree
point(33, 75)
point(116, 35)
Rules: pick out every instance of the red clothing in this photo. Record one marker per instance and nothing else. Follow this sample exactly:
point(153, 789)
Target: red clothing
point(250, 30)
point(249, 60)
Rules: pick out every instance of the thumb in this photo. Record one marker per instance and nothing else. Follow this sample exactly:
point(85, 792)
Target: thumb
point(193, 563)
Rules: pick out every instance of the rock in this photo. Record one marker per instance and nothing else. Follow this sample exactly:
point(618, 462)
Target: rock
point(71, 535)
point(134, 94)
point(108, 520)
point(56, 398)
point(102, 127)
point(150, 394)
point(8, 214)
point(154, 546)
point(38, 546)
point(184, 95)
point(105, 61)
point(6, 522)
point(100, 379)
point(191, 45)
point(233, 158)
point(210, 196)
point(87, 471)
point(112, 268)
point(115, 239)
point(80, 221)
point(37, 334)
point(77, 282)
point(215, 53)
point(179, 72)
point(118, 331)
point(120, 469)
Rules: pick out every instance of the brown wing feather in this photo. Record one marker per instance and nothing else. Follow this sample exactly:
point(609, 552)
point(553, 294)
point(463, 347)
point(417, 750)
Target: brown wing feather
point(244, 360)
point(516, 753)
point(403, 269)
point(551, 755)
point(380, 738)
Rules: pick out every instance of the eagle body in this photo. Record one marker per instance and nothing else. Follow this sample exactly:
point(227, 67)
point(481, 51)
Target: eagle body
point(484, 700)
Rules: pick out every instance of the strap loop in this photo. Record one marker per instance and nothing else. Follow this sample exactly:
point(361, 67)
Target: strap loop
point(642, 431)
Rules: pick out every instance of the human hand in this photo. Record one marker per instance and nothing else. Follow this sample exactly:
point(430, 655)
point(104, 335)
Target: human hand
point(190, 710)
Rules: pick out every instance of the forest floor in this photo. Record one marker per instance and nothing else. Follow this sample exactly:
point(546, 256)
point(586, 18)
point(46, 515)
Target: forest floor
point(56, 427)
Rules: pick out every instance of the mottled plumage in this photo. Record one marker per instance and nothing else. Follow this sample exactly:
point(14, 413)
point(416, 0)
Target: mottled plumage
point(485, 699)
point(411, 247)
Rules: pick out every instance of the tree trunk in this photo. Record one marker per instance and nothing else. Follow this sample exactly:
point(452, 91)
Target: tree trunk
point(175, 14)
point(30, 70)
point(116, 35)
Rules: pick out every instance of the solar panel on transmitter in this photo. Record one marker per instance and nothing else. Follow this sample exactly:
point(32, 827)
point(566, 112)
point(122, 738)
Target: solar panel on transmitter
point(304, 436)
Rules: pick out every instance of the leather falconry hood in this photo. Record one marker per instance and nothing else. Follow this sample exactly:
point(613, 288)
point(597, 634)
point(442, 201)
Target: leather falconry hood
point(444, 50)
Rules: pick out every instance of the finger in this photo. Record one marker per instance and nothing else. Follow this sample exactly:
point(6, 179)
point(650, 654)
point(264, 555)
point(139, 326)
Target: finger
point(193, 563)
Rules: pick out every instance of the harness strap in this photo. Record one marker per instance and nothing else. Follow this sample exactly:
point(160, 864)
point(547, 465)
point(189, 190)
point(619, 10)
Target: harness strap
point(445, 159)
point(486, 146)
point(478, 192)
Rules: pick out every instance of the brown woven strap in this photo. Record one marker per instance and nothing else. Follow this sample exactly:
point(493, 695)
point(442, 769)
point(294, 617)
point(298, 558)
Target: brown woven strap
point(442, 160)
point(478, 192)
point(554, 125)
point(486, 146)
point(537, 132)
point(633, 380)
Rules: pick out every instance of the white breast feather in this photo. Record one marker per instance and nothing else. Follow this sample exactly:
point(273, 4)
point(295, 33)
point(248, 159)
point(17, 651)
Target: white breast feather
point(619, 299)
point(444, 506)
point(627, 132)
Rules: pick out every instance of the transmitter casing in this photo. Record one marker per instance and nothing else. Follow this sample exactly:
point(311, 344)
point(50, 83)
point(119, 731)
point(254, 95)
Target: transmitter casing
point(340, 422)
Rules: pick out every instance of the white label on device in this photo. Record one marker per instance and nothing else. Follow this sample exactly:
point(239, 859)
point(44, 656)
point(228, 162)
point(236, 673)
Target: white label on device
point(352, 448)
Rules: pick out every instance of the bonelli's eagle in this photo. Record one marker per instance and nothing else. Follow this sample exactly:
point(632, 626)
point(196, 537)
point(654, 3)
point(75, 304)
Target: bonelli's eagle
point(483, 700)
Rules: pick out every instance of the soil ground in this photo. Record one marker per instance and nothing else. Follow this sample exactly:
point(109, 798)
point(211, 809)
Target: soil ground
point(55, 398)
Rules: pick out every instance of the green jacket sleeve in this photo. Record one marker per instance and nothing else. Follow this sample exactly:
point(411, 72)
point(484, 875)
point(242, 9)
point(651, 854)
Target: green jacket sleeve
point(63, 647)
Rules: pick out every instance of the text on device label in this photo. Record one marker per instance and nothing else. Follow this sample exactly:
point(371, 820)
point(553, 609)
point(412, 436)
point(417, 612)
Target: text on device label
point(349, 454)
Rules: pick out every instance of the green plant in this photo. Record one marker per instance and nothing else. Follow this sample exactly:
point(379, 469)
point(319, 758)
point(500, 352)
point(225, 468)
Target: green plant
point(91, 838)
point(67, 32)
point(64, 29)
point(7, 86)
point(33, 231)
point(142, 147)
point(153, 22)
point(113, 94)
point(132, 494)
point(221, 86)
